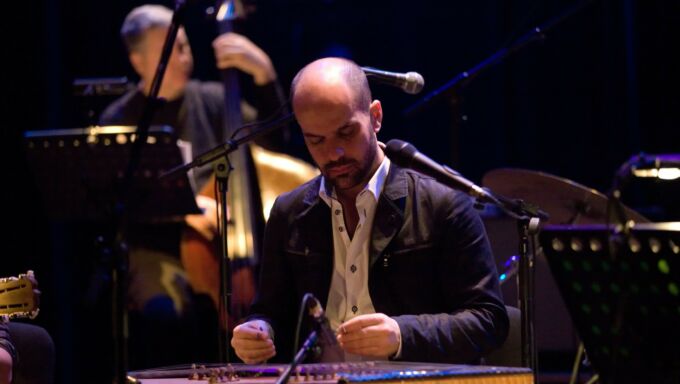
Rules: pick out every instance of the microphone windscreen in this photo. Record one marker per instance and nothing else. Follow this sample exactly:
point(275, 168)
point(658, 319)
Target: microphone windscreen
point(414, 83)
point(400, 152)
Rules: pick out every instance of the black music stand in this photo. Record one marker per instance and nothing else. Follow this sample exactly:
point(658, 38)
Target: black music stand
point(623, 294)
point(79, 172)
point(83, 177)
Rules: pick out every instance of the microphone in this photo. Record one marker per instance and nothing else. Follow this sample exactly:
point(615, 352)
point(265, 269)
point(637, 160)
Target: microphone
point(321, 321)
point(409, 82)
point(406, 155)
point(330, 349)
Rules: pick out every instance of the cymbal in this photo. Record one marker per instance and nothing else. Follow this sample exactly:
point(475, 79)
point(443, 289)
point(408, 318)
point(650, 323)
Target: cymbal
point(566, 201)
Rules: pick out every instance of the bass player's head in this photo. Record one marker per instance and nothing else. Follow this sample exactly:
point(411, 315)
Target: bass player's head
point(143, 32)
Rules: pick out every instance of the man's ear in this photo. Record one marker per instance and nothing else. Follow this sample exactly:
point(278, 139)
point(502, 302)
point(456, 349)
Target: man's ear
point(375, 110)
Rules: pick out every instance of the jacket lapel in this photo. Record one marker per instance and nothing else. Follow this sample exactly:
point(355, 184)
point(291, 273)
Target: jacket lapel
point(389, 215)
point(316, 231)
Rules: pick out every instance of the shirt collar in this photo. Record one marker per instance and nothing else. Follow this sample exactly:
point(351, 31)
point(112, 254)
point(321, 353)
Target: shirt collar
point(374, 186)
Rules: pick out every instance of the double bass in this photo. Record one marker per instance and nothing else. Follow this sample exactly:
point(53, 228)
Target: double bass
point(258, 176)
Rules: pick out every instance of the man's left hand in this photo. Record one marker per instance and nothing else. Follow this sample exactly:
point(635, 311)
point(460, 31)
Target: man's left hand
point(237, 51)
point(374, 335)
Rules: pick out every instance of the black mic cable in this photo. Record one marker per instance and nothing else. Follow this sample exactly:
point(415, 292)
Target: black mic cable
point(298, 324)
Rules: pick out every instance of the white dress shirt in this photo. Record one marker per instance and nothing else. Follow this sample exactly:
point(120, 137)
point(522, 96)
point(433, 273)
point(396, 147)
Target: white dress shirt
point(349, 296)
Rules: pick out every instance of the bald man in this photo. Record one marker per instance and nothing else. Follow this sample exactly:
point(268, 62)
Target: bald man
point(400, 262)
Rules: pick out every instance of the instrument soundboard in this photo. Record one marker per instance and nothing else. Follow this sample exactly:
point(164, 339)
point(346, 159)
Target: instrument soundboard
point(373, 372)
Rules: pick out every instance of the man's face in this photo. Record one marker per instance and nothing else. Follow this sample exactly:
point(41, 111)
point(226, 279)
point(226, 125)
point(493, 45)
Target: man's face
point(340, 136)
point(145, 59)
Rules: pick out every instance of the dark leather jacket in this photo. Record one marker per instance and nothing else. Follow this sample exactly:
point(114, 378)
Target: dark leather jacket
point(431, 268)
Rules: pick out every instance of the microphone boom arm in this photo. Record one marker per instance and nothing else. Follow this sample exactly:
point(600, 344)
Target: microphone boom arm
point(462, 79)
point(228, 146)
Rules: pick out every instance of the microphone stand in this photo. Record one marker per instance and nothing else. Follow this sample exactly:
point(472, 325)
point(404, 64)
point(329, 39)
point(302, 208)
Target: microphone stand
point(120, 214)
point(528, 222)
point(452, 89)
point(527, 226)
point(528, 216)
point(453, 86)
point(222, 169)
point(299, 357)
point(220, 154)
point(229, 146)
point(321, 326)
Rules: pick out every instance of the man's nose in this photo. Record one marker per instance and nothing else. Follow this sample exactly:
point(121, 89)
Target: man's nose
point(336, 152)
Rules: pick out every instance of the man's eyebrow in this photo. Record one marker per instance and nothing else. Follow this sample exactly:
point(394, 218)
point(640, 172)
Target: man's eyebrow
point(346, 125)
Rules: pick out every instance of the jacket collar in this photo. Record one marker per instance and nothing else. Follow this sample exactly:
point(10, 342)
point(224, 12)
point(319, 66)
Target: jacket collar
point(389, 215)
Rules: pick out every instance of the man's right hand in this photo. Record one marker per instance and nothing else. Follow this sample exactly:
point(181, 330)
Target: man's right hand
point(252, 342)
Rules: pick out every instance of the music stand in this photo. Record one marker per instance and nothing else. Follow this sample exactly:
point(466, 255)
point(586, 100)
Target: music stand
point(82, 176)
point(623, 295)
point(79, 172)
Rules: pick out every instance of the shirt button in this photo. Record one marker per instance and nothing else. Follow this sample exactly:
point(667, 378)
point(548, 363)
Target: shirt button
point(337, 211)
point(355, 309)
point(353, 268)
point(341, 229)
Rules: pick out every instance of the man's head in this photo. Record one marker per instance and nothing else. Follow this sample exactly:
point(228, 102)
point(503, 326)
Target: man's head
point(332, 103)
point(143, 32)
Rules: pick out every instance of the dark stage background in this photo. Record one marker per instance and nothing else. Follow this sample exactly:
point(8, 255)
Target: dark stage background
point(601, 87)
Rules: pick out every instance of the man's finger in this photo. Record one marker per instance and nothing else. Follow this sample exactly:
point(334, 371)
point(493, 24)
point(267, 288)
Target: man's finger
point(252, 344)
point(359, 322)
point(252, 352)
point(251, 331)
point(371, 351)
point(369, 346)
point(255, 353)
point(254, 358)
point(370, 332)
point(252, 334)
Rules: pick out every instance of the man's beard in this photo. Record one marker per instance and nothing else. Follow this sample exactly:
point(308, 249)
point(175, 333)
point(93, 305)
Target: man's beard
point(356, 176)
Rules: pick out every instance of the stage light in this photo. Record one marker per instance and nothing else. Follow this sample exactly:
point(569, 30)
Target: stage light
point(664, 167)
